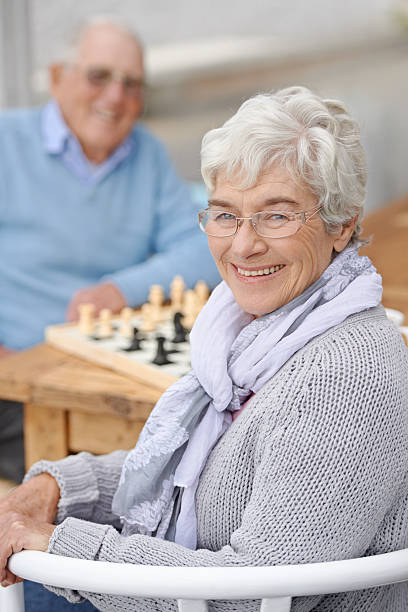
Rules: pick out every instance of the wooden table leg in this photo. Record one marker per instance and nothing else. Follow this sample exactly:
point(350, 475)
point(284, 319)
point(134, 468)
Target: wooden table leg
point(45, 433)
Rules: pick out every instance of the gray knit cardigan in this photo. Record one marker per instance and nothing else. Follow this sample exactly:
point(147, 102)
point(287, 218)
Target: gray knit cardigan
point(314, 469)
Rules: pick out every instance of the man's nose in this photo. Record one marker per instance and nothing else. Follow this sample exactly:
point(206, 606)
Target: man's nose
point(115, 91)
point(246, 241)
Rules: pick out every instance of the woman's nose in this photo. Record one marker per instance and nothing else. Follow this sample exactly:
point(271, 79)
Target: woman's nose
point(246, 241)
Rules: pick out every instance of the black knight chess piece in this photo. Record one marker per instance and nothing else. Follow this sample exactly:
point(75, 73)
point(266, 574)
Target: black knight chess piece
point(180, 333)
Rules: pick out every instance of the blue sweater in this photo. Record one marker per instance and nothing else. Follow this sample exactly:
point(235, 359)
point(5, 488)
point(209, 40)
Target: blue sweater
point(135, 228)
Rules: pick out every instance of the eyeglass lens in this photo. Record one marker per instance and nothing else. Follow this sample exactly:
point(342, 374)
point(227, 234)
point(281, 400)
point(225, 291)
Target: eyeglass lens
point(273, 224)
point(101, 77)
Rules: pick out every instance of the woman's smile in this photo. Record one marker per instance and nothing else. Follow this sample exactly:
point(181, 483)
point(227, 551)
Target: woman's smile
point(261, 273)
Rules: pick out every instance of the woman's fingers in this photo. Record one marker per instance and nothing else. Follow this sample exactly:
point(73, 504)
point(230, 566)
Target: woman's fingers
point(19, 532)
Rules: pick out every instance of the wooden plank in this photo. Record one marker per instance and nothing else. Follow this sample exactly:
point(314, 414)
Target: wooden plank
point(101, 434)
point(388, 251)
point(50, 377)
point(80, 385)
point(45, 434)
point(18, 372)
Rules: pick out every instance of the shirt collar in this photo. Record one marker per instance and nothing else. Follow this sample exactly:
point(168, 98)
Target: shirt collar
point(60, 141)
point(55, 130)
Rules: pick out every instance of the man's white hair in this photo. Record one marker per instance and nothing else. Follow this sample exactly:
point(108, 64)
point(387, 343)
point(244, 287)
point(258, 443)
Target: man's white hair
point(315, 139)
point(72, 39)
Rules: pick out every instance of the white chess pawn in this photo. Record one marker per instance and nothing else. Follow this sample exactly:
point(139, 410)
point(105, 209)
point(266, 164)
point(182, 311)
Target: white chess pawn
point(190, 309)
point(202, 293)
point(156, 299)
point(126, 326)
point(86, 319)
point(105, 329)
point(148, 324)
point(176, 294)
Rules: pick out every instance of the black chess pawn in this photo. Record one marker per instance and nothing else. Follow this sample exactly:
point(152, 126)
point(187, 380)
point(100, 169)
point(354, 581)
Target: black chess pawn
point(136, 344)
point(180, 333)
point(161, 355)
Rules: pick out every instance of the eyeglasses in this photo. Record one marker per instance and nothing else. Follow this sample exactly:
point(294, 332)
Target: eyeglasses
point(100, 77)
point(268, 224)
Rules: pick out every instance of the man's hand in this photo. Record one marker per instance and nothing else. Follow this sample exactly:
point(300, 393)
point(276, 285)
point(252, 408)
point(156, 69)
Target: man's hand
point(5, 352)
point(20, 532)
point(26, 516)
point(103, 295)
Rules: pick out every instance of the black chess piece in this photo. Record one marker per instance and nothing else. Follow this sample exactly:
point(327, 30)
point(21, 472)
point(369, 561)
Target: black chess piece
point(180, 333)
point(136, 344)
point(161, 355)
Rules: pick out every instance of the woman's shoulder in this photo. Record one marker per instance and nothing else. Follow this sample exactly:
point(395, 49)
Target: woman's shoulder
point(363, 340)
point(360, 365)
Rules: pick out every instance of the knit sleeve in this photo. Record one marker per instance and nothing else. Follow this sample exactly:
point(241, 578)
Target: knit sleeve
point(87, 484)
point(329, 466)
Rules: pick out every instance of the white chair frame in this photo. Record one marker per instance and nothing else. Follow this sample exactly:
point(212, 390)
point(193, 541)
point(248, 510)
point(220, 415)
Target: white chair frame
point(193, 586)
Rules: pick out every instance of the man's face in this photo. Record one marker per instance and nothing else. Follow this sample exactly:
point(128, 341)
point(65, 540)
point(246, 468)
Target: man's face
point(100, 115)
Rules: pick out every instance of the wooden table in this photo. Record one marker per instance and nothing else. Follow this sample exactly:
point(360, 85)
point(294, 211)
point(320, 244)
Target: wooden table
point(72, 405)
point(389, 251)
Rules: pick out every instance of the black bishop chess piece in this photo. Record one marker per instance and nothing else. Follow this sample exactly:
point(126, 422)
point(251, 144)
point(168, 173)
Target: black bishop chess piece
point(136, 343)
point(161, 355)
point(180, 332)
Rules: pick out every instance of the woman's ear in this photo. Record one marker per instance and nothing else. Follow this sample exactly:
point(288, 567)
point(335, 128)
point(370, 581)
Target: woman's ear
point(344, 235)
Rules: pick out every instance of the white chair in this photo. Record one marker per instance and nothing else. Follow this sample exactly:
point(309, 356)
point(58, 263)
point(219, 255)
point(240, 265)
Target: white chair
point(193, 586)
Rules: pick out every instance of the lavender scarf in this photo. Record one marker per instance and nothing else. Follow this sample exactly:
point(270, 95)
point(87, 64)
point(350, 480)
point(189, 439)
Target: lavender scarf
point(232, 356)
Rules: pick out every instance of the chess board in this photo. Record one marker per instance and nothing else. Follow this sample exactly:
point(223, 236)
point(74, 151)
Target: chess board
point(109, 352)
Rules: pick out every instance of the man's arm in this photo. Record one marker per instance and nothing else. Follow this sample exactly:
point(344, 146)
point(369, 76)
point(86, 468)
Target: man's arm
point(177, 244)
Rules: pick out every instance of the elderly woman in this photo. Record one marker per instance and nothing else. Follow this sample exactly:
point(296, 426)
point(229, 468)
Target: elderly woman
point(288, 441)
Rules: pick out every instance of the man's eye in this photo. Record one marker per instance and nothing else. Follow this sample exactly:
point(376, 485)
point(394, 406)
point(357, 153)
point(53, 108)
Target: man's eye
point(98, 75)
point(132, 83)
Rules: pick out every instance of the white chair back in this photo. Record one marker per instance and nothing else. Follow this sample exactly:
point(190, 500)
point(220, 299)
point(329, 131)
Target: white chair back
point(193, 586)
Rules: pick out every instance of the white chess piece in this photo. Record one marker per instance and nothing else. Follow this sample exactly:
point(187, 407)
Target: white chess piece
point(190, 309)
point(105, 329)
point(86, 319)
point(126, 326)
point(148, 324)
point(202, 293)
point(156, 299)
point(176, 294)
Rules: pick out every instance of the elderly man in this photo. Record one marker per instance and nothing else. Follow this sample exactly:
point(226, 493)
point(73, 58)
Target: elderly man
point(91, 209)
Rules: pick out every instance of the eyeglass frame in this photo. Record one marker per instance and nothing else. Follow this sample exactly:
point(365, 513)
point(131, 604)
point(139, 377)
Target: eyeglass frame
point(302, 215)
point(115, 75)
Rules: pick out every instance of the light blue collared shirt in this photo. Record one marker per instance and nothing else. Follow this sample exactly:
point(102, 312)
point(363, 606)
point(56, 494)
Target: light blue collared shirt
point(61, 142)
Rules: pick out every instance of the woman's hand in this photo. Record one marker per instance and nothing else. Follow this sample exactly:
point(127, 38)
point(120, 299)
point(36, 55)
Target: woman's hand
point(20, 532)
point(38, 498)
point(26, 516)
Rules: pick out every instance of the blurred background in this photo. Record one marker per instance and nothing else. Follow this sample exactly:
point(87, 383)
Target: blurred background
point(205, 58)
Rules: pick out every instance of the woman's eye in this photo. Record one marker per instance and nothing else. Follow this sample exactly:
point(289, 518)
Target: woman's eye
point(275, 217)
point(224, 216)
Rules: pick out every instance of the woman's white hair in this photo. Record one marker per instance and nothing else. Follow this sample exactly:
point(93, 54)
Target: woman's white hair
point(315, 139)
